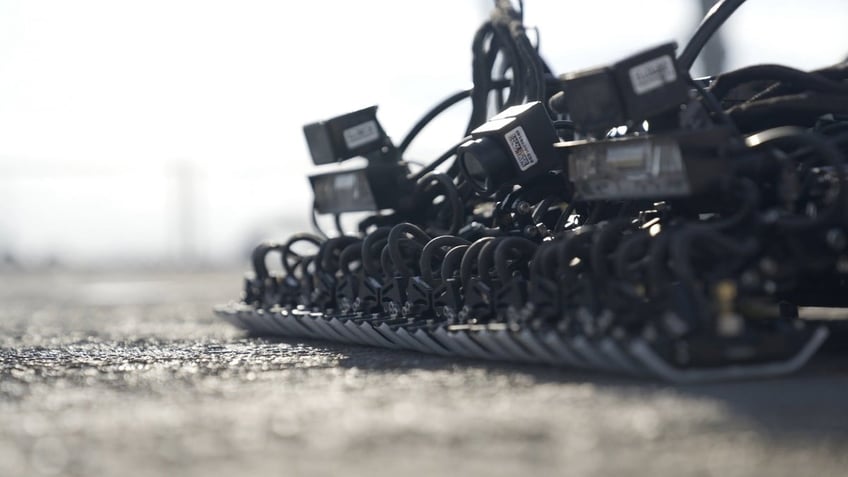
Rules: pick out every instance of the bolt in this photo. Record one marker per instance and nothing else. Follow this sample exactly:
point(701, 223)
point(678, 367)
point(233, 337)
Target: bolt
point(729, 323)
point(523, 207)
point(811, 210)
point(836, 239)
point(770, 287)
point(771, 216)
point(769, 266)
point(749, 279)
point(842, 265)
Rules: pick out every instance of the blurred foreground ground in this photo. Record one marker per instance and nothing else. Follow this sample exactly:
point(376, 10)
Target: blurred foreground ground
point(130, 374)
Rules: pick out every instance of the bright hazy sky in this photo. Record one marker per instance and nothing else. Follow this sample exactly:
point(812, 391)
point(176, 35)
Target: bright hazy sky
point(101, 101)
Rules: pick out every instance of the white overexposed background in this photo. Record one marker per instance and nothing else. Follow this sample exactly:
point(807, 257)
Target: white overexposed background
point(169, 131)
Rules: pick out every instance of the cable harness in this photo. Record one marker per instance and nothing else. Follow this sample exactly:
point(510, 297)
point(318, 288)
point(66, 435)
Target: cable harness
point(625, 218)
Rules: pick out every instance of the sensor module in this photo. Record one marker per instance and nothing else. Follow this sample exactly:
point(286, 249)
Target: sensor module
point(511, 148)
point(343, 137)
point(628, 92)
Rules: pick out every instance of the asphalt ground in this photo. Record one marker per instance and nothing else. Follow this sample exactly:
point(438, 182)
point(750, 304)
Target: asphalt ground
point(131, 374)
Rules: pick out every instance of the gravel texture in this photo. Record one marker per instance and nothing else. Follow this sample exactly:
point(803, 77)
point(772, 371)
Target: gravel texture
point(130, 374)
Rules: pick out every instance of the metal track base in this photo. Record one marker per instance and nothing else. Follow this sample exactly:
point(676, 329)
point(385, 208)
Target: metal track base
point(632, 356)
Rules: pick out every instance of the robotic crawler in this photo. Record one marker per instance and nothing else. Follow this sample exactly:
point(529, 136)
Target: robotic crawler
point(627, 218)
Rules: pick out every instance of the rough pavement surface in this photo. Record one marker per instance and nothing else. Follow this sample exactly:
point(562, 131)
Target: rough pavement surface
point(130, 374)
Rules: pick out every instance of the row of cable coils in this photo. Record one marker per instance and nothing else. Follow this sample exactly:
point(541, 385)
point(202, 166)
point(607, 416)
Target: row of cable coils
point(592, 277)
point(402, 271)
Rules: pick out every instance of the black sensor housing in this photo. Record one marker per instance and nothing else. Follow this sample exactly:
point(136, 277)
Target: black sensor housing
point(371, 188)
point(346, 136)
point(634, 89)
point(511, 148)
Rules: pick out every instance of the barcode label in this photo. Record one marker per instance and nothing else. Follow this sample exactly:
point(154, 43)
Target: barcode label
point(523, 152)
point(651, 75)
point(361, 134)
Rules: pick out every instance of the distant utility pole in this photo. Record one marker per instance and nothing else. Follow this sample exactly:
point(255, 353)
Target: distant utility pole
point(185, 175)
point(712, 59)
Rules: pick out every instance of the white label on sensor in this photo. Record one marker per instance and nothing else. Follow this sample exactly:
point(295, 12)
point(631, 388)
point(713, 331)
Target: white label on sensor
point(345, 181)
point(652, 74)
point(523, 152)
point(361, 134)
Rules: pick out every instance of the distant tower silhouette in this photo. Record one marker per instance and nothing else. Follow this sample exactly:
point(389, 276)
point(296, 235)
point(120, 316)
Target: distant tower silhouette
point(712, 58)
